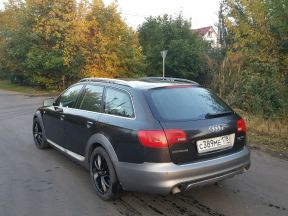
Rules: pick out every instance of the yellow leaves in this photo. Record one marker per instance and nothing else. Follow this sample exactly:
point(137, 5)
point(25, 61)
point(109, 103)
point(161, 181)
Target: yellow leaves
point(55, 22)
point(98, 3)
point(98, 71)
point(103, 36)
point(251, 31)
point(74, 38)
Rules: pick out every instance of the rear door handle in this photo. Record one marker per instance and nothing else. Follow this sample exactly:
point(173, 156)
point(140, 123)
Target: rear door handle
point(89, 124)
point(62, 117)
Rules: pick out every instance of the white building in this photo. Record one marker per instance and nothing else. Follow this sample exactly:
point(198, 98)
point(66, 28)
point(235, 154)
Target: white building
point(208, 34)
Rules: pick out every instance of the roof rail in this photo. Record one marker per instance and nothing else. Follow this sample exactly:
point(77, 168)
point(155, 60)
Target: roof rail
point(168, 79)
point(106, 80)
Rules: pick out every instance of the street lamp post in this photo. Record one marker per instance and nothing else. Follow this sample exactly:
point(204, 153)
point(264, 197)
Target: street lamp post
point(163, 54)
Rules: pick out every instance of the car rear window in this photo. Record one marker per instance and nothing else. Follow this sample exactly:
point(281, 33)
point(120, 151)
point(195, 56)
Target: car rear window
point(185, 103)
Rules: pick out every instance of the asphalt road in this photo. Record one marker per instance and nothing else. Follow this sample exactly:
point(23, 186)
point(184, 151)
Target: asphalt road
point(35, 182)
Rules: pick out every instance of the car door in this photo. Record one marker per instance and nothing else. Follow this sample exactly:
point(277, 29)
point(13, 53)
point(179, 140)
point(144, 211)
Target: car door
point(54, 116)
point(82, 123)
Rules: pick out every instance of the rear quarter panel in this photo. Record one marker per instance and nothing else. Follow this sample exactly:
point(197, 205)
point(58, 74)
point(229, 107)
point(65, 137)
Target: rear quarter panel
point(122, 132)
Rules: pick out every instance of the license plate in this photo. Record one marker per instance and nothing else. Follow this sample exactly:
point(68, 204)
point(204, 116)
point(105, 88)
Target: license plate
point(216, 143)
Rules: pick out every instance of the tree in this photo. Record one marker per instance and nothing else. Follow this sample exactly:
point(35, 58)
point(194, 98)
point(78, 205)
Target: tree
point(37, 45)
point(110, 47)
point(278, 16)
point(186, 51)
point(50, 58)
point(256, 30)
point(51, 43)
point(249, 23)
point(222, 31)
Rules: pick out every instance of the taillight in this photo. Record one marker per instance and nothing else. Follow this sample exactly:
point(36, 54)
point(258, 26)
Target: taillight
point(154, 139)
point(175, 136)
point(241, 126)
point(160, 138)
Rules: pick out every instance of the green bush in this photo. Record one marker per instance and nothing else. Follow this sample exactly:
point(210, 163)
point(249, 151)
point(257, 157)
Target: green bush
point(262, 91)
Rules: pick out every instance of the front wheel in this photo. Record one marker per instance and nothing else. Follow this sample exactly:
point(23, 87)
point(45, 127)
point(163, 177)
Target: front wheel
point(103, 175)
point(38, 135)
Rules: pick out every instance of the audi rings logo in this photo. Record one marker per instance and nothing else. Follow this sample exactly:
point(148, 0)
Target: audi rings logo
point(217, 128)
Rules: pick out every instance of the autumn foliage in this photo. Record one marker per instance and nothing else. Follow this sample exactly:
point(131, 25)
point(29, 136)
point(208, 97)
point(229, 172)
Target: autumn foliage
point(251, 68)
point(50, 43)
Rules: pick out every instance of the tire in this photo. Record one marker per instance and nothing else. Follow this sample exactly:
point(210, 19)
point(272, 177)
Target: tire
point(103, 175)
point(38, 135)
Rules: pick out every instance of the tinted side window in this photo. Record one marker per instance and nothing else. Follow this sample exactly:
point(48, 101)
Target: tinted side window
point(69, 97)
point(92, 98)
point(118, 103)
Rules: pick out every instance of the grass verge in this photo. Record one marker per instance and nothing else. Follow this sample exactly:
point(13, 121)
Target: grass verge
point(7, 85)
point(268, 133)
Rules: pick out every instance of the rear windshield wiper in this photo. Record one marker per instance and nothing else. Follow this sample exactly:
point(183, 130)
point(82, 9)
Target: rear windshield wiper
point(215, 115)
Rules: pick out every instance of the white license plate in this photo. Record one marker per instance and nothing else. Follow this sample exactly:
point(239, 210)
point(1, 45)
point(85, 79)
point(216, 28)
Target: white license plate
point(216, 143)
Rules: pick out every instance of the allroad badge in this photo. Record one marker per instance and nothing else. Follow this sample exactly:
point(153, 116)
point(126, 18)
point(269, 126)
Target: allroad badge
point(217, 128)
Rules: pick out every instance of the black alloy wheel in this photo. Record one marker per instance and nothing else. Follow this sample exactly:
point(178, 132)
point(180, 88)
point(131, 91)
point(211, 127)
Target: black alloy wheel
point(39, 136)
point(103, 175)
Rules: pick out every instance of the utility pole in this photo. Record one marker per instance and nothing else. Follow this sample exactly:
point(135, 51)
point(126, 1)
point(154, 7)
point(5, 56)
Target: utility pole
point(163, 54)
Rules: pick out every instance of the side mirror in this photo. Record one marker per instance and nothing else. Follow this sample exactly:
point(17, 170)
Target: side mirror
point(48, 102)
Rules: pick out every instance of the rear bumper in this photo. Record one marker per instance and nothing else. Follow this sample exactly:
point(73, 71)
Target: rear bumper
point(162, 178)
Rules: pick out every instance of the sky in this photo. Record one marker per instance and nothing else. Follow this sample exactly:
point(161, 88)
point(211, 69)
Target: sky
point(202, 12)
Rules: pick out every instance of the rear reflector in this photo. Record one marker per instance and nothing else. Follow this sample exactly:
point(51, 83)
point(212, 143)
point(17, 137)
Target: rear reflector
point(241, 126)
point(160, 138)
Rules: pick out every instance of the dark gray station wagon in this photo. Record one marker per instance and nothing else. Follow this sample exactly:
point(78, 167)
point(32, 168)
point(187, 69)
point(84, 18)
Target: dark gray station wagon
point(152, 135)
